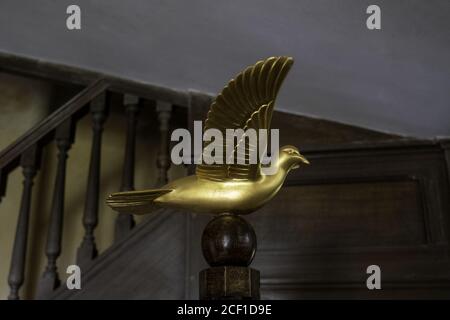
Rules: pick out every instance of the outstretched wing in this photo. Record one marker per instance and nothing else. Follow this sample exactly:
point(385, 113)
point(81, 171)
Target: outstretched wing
point(246, 102)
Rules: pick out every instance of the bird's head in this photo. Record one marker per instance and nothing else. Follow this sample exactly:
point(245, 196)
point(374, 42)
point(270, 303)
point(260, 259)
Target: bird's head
point(290, 158)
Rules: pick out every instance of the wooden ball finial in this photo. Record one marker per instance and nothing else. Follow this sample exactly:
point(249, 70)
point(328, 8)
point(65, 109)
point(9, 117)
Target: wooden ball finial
point(228, 240)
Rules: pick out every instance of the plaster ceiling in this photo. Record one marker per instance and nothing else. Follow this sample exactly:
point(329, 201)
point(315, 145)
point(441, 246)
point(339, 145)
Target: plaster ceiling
point(395, 79)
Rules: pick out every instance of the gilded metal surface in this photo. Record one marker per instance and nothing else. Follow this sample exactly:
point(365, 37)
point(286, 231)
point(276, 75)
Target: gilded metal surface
point(246, 102)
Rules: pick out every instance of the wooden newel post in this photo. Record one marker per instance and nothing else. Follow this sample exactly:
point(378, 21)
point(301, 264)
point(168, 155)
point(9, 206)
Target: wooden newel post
point(229, 246)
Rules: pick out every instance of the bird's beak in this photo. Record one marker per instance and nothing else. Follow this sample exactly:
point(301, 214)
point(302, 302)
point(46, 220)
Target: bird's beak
point(303, 159)
point(300, 159)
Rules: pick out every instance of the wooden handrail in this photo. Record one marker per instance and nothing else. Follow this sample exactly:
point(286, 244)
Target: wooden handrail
point(67, 74)
point(32, 136)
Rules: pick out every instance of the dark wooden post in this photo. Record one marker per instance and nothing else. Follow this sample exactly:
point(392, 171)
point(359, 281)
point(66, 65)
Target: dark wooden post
point(229, 246)
point(50, 279)
point(88, 250)
point(29, 162)
point(125, 222)
point(164, 110)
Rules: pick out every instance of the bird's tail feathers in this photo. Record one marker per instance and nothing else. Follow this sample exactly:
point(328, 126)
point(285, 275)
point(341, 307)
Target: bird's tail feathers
point(135, 202)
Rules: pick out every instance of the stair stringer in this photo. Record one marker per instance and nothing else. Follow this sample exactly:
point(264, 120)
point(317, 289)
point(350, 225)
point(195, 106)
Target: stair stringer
point(150, 263)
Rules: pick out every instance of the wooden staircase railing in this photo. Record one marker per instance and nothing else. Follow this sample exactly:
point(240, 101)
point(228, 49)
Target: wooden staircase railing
point(34, 135)
point(60, 126)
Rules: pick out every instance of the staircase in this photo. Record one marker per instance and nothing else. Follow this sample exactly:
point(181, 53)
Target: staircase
point(94, 100)
point(369, 198)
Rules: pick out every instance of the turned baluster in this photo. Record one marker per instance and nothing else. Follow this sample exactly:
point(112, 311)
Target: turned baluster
point(125, 222)
point(50, 279)
point(29, 162)
point(164, 110)
point(198, 107)
point(2, 185)
point(88, 250)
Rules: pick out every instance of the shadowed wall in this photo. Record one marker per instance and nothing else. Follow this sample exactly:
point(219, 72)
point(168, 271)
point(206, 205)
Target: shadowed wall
point(393, 80)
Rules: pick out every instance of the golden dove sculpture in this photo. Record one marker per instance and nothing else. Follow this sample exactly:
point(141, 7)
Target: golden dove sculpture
point(246, 102)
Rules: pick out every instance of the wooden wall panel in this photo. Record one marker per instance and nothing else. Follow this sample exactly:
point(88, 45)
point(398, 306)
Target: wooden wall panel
point(341, 215)
point(351, 208)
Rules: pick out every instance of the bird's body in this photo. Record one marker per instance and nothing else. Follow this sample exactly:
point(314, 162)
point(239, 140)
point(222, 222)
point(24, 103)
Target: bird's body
point(239, 197)
point(209, 196)
point(214, 197)
point(245, 103)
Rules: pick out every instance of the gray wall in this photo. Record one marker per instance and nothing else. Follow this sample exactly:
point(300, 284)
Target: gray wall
point(394, 80)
